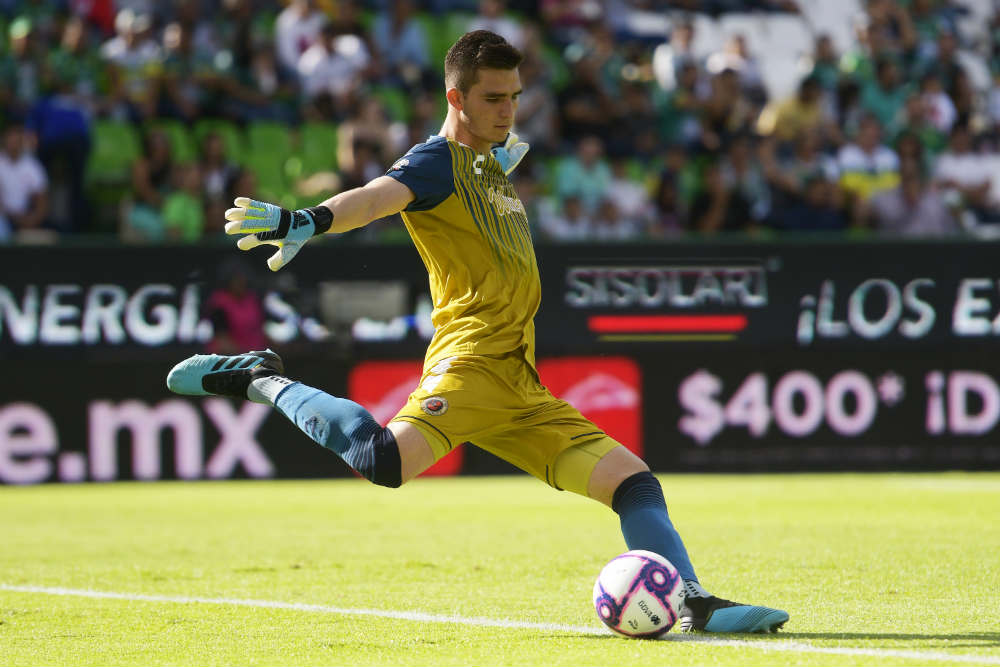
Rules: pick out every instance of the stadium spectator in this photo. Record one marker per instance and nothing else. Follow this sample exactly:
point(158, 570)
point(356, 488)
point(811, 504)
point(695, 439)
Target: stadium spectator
point(609, 224)
point(885, 96)
point(151, 182)
point(236, 31)
point(742, 174)
point(190, 79)
point(966, 177)
point(330, 80)
point(678, 109)
point(629, 195)
point(183, 209)
point(964, 97)
point(537, 113)
point(735, 55)
point(216, 170)
point(570, 224)
point(566, 19)
point(938, 107)
point(911, 209)
point(788, 173)
point(634, 131)
point(585, 107)
point(672, 55)
point(73, 69)
point(202, 33)
point(296, 29)
point(893, 25)
point(944, 62)
point(823, 65)
point(363, 163)
point(803, 112)
point(866, 165)
point(61, 122)
point(235, 310)
point(20, 71)
point(135, 66)
point(493, 16)
point(814, 208)
point(725, 114)
point(585, 175)
point(378, 137)
point(24, 186)
point(401, 45)
point(718, 207)
point(915, 120)
point(912, 152)
point(993, 104)
point(666, 220)
point(262, 91)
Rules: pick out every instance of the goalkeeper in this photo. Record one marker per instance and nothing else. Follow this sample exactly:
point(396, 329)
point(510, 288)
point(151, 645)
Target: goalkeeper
point(479, 383)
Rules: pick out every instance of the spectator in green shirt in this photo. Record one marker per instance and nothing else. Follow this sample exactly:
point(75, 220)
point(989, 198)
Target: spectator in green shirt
point(183, 211)
point(885, 97)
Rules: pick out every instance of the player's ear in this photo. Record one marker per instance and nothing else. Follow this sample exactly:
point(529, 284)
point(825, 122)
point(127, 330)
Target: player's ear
point(455, 98)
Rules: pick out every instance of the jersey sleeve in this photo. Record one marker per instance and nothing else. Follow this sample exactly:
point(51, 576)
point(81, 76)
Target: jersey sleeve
point(426, 170)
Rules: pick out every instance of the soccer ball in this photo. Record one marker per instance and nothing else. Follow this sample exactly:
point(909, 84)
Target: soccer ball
point(639, 594)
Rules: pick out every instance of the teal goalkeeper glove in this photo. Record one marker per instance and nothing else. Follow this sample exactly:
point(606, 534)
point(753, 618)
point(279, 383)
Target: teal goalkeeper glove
point(273, 225)
point(511, 153)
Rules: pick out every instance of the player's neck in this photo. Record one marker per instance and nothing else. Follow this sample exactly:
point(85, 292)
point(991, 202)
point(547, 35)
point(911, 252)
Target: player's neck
point(454, 130)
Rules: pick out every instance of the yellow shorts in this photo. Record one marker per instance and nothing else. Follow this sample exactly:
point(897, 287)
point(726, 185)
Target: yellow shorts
point(497, 403)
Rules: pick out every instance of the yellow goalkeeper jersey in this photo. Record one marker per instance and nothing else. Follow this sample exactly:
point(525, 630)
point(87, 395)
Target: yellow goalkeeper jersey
point(471, 230)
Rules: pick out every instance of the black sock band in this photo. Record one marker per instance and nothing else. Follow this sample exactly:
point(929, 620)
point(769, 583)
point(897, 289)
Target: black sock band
point(642, 488)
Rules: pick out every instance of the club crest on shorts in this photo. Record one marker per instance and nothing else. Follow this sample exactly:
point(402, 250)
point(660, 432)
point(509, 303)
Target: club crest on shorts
point(434, 406)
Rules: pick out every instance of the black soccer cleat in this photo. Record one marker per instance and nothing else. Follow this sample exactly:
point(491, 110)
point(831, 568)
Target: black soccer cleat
point(219, 375)
point(713, 614)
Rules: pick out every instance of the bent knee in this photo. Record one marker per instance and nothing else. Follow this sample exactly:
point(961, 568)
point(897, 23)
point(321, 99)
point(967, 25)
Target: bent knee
point(614, 468)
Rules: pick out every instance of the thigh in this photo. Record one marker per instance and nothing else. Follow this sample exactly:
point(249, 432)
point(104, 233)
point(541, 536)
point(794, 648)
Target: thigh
point(460, 399)
point(540, 433)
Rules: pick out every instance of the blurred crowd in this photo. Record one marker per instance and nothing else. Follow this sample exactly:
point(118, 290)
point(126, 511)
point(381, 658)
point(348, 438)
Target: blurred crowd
point(144, 119)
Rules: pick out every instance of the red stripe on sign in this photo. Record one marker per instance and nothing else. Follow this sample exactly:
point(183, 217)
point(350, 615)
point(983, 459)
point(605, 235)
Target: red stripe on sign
point(665, 323)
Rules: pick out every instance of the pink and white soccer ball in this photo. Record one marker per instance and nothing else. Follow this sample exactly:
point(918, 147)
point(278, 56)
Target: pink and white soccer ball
point(639, 594)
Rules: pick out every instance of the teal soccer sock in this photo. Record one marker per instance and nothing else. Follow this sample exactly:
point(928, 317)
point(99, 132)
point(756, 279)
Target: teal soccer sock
point(639, 503)
point(340, 425)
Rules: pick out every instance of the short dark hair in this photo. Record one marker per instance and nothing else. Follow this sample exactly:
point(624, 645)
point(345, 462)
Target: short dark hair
point(479, 49)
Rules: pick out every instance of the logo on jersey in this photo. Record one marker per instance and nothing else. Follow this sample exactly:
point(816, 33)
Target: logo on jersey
point(399, 164)
point(434, 406)
point(505, 205)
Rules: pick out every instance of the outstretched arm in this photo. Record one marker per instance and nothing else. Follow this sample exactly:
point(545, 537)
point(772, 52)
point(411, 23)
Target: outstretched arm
point(289, 230)
point(355, 208)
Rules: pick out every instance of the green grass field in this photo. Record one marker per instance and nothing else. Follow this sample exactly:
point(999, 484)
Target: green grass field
point(874, 570)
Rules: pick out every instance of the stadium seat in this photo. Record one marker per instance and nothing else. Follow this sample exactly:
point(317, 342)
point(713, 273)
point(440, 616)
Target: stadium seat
point(977, 69)
point(748, 25)
point(272, 139)
point(233, 141)
point(319, 147)
point(708, 35)
point(182, 146)
point(557, 67)
point(787, 35)
point(833, 18)
point(395, 101)
point(442, 32)
point(115, 146)
point(271, 183)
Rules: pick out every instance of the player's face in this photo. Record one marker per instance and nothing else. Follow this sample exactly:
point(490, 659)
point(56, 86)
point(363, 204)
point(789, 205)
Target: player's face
point(491, 103)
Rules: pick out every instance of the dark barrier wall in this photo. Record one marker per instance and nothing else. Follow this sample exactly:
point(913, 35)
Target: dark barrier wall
point(700, 357)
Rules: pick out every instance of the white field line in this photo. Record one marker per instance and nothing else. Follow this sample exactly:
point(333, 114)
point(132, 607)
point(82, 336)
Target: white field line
point(763, 645)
